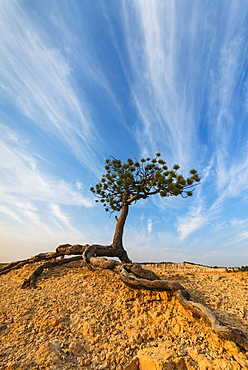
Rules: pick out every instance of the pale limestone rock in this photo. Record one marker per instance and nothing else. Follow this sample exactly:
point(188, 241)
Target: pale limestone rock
point(76, 348)
point(133, 365)
point(90, 319)
point(160, 358)
point(48, 354)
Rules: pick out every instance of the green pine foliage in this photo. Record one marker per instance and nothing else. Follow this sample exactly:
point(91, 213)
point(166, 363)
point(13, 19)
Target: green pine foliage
point(139, 180)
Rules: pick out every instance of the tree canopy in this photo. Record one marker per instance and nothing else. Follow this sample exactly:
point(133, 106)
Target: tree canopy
point(133, 180)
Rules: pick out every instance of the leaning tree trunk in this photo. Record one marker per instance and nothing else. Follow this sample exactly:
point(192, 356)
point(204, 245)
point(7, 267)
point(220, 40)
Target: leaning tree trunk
point(118, 235)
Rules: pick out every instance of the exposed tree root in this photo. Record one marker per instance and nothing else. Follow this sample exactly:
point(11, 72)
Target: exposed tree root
point(131, 274)
point(134, 281)
point(31, 281)
point(61, 251)
point(18, 264)
point(222, 330)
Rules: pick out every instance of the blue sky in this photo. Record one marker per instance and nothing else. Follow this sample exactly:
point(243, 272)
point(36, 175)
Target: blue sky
point(82, 80)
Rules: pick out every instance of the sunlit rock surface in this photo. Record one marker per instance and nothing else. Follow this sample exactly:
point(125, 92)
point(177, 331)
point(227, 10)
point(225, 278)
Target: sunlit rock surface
point(82, 319)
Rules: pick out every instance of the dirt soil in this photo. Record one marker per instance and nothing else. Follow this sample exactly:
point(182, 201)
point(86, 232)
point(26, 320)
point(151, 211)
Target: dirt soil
point(82, 319)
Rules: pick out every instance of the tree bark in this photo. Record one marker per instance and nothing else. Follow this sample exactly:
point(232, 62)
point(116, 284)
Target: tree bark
point(119, 229)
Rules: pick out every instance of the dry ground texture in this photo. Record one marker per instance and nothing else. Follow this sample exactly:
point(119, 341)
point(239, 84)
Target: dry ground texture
point(82, 319)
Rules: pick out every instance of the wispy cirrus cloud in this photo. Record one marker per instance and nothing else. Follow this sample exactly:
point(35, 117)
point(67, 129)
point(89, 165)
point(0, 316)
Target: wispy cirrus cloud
point(172, 84)
point(37, 78)
point(61, 216)
point(179, 70)
point(149, 226)
point(72, 73)
point(11, 213)
point(31, 214)
point(242, 235)
point(168, 110)
point(21, 175)
point(227, 118)
point(196, 217)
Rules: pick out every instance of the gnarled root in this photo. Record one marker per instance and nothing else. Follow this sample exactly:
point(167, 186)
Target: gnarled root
point(31, 281)
point(18, 264)
point(87, 251)
point(130, 275)
point(221, 329)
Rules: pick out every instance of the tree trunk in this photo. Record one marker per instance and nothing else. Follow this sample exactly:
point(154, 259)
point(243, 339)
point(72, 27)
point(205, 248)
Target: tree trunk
point(119, 229)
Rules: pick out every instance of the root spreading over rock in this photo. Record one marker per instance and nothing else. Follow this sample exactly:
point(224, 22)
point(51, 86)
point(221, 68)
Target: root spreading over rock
point(68, 322)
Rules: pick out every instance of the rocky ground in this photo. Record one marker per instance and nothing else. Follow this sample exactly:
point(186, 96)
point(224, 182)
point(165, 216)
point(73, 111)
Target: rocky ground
point(82, 319)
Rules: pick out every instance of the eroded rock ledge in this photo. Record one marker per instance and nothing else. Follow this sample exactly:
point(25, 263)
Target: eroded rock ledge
point(83, 319)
